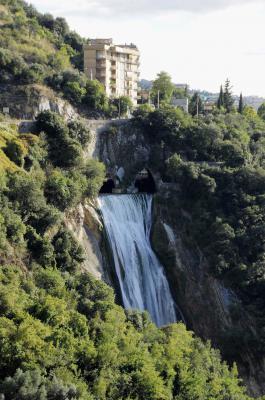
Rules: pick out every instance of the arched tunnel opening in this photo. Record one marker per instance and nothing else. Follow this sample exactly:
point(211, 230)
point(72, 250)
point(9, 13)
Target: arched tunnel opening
point(107, 186)
point(145, 182)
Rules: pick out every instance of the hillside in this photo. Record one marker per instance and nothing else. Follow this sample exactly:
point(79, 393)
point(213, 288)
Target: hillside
point(60, 330)
point(63, 335)
point(35, 46)
point(38, 50)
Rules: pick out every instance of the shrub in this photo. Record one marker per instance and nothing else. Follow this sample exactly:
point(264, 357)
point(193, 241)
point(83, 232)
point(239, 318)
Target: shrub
point(78, 131)
point(95, 173)
point(63, 150)
point(68, 253)
point(63, 190)
point(16, 151)
point(95, 97)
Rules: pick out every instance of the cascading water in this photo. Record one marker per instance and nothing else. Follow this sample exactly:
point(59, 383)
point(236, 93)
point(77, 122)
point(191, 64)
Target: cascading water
point(143, 284)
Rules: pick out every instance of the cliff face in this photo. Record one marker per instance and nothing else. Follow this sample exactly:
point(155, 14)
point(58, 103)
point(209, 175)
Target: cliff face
point(117, 143)
point(86, 227)
point(26, 102)
point(210, 310)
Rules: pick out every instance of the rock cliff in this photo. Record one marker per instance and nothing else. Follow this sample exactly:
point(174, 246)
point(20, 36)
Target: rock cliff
point(86, 226)
point(210, 309)
point(26, 102)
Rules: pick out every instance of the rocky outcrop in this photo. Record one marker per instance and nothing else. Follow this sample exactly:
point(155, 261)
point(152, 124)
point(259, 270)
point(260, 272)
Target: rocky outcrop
point(117, 143)
point(26, 102)
point(86, 227)
point(210, 309)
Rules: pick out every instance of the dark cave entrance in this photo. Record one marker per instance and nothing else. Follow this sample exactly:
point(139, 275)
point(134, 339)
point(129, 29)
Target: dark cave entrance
point(145, 182)
point(107, 186)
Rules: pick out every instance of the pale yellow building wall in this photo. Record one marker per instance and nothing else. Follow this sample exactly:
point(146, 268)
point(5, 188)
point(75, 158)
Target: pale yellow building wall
point(116, 67)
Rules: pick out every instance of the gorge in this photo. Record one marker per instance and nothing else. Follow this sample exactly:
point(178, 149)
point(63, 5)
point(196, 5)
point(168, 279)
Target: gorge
point(132, 251)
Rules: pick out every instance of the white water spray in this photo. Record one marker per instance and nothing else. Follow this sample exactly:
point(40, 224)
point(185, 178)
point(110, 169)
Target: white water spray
point(143, 284)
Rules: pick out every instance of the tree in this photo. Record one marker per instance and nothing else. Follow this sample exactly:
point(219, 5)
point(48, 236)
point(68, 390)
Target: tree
point(241, 104)
point(95, 97)
point(195, 106)
point(78, 131)
point(261, 111)
point(63, 150)
point(95, 172)
point(16, 151)
point(68, 253)
point(228, 96)
point(163, 88)
point(123, 105)
point(250, 112)
point(220, 101)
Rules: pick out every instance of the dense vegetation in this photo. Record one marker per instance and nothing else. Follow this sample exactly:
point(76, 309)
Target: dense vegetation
point(39, 49)
point(62, 336)
point(218, 163)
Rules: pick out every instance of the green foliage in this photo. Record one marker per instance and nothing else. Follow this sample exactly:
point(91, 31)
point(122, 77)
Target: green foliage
point(61, 334)
point(63, 150)
point(68, 253)
point(217, 165)
point(79, 132)
point(228, 96)
point(95, 173)
point(220, 101)
point(123, 106)
point(15, 229)
point(95, 97)
point(31, 203)
point(71, 83)
point(195, 105)
point(32, 385)
point(66, 339)
point(241, 104)
point(38, 48)
point(162, 88)
point(261, 111)
point(64, 190)
point(15, 151)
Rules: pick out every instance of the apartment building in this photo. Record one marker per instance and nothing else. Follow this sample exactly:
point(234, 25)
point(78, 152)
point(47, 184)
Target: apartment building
point(115, 66)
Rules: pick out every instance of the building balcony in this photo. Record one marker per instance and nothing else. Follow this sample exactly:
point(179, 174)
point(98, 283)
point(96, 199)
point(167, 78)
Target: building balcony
point(101, 64)
point(100, 76)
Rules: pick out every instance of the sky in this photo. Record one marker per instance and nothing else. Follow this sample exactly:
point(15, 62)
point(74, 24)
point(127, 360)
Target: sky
point(198, 42)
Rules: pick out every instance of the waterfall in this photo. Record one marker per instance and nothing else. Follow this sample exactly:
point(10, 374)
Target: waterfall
point(143, 284)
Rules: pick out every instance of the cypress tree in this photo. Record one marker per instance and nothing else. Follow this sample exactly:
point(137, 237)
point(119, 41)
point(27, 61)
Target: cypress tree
point(220, 101)
point(228, 96)
point(195, 105)
point(241, 104)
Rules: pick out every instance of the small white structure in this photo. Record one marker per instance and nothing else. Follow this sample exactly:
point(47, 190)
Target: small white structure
point(182, 103)
point(120, 174)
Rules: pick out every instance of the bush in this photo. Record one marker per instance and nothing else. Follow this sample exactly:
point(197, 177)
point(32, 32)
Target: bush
point(15, 229)
point(68, 253)
point(95, 97)
point(63, 150)
point(63, 190)
point(79, 132)
point(95, 173)
point(16, 152)
point(123, 105)
point(40, 247)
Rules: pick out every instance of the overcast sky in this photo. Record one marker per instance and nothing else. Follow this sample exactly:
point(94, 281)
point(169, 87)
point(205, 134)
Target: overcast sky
point(199, 42)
